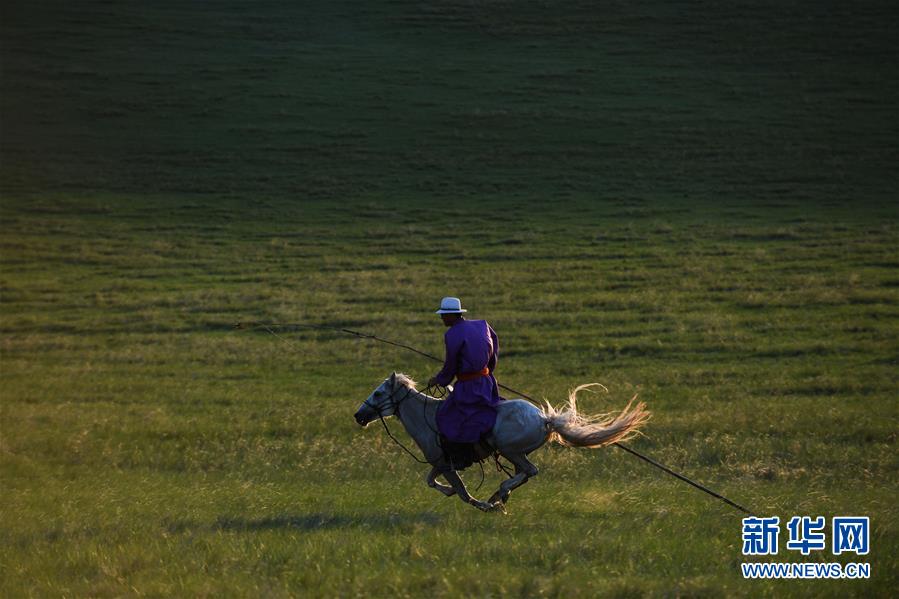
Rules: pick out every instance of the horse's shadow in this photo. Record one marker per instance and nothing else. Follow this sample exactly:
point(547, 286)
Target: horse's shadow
point(325, 521)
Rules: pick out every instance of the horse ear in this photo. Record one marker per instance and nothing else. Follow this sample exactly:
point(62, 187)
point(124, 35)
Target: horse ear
point(393, 381)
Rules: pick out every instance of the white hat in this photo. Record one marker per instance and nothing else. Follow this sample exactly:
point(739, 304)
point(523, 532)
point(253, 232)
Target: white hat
point(450, 305)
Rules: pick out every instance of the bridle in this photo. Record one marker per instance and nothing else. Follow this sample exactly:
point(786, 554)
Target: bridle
point(394, 405)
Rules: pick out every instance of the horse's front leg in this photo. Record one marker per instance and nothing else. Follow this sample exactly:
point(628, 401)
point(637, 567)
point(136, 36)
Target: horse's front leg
point(456, 481)
point(431, 479)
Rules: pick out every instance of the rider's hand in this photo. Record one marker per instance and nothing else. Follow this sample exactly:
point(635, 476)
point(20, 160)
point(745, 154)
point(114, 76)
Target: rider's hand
point(432, 382)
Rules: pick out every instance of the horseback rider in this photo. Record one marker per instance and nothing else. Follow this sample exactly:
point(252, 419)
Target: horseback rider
point(469, 412)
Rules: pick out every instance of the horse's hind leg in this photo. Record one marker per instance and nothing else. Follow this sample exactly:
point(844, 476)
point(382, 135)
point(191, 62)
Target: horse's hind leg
point(524, 470)
point(432, 482)
point(456, 481)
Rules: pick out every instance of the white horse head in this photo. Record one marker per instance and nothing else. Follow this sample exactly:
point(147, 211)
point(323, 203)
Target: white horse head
point(383, 401)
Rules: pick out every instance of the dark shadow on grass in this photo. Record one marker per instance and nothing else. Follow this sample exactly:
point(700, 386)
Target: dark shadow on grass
point(321, 521)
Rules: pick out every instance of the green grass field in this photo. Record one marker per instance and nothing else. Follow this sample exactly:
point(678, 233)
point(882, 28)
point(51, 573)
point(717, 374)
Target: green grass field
point(695, 203)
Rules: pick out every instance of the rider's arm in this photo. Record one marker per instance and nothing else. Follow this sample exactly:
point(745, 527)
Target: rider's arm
point(450, 362)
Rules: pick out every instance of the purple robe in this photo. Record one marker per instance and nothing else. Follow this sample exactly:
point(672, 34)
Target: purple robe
point(469, 411)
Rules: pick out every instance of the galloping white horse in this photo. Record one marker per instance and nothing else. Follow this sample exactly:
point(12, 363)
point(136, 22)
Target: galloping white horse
point(521, 427)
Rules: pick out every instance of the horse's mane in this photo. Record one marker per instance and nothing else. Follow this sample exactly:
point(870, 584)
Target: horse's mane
point(406, 381)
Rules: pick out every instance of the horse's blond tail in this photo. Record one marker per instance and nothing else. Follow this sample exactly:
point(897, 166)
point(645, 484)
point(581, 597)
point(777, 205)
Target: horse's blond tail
point(569, 427)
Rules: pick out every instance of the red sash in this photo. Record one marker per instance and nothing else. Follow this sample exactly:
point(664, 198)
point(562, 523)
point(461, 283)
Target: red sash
point(464, 377)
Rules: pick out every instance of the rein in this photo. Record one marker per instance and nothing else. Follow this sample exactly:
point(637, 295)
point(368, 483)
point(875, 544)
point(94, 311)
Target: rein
point(397, 441)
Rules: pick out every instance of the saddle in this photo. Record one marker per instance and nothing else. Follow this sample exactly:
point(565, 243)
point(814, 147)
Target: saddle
point(462, 455)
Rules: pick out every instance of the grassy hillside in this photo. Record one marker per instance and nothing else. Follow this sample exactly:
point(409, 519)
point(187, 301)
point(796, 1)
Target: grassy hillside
point(692, 203)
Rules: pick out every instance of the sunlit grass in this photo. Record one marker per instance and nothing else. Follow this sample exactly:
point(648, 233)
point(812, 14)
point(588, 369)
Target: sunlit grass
point(150, 448)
